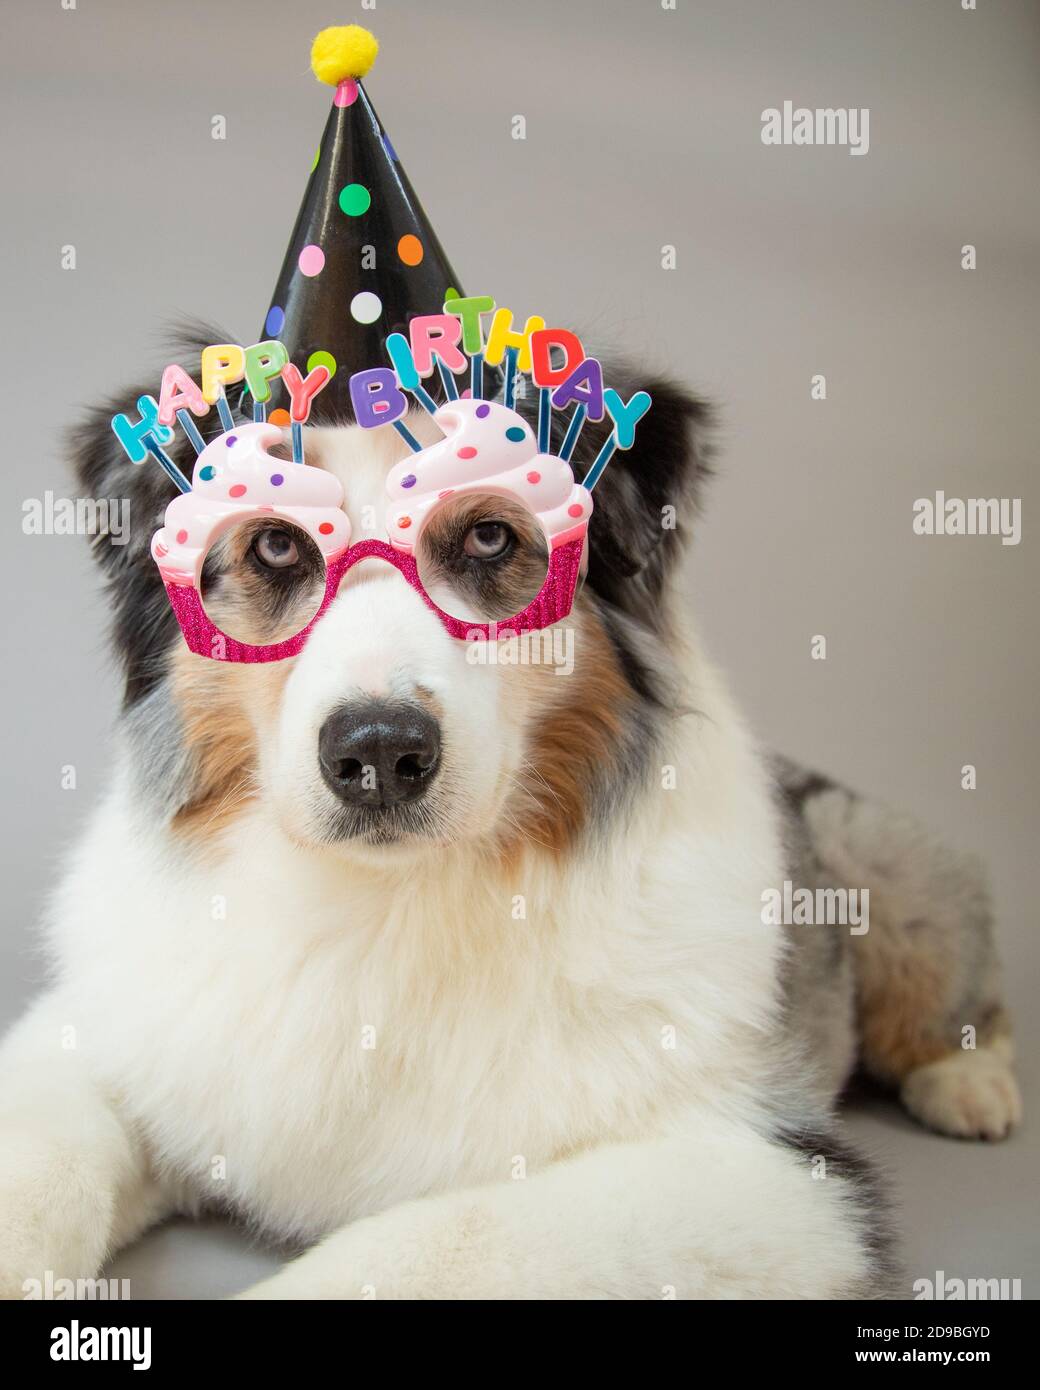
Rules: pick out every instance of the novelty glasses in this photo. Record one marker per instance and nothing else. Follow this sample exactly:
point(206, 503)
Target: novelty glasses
point(485, 524)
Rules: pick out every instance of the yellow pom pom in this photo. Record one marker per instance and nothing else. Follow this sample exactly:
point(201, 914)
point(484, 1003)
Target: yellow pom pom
point(345, 50)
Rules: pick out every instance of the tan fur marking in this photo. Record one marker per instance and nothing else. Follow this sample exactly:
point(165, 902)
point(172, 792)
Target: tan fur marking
point(213, 697)
point(575, 721)
point(903, 1000)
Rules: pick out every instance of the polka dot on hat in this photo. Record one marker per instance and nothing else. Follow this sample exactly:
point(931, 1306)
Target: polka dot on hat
point(312, 260)
point(354, 199)
point(366, 307)
point(410, 249)
point(322, 359)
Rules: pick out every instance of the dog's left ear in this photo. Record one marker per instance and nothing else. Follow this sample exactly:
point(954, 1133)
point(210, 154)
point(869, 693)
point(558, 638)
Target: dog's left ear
point(649, 495)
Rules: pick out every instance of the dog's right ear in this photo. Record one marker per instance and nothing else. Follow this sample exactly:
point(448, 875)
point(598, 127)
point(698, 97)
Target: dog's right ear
point(144, 626)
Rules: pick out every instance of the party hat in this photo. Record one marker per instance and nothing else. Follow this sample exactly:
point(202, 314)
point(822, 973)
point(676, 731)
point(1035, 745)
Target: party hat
point(363, 259)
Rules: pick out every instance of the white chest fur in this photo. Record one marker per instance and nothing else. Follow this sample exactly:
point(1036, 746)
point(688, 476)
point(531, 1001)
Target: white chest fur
point(312, 1043)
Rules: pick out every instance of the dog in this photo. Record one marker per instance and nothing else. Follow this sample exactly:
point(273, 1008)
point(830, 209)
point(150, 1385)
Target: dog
point(517, 1029)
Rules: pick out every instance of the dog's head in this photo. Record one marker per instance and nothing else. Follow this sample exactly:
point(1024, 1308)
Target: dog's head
point(386, 736)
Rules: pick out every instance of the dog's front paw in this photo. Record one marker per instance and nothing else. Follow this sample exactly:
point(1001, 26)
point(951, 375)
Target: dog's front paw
point(970, 1095)
point(53, 1215)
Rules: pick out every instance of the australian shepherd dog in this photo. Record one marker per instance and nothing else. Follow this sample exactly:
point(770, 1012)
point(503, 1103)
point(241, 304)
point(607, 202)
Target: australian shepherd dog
point(511, 1022)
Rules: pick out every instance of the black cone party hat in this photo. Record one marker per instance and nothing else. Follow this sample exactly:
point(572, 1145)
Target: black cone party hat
point(363, 259)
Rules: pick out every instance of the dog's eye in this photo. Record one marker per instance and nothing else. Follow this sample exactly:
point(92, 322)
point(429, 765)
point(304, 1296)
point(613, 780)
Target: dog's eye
point(275, 548)
point(488, 540)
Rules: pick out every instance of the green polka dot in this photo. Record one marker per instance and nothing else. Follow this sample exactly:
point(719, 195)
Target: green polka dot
point(355, 199)
point(515, 434)
point(322, 359)
point(317, 156)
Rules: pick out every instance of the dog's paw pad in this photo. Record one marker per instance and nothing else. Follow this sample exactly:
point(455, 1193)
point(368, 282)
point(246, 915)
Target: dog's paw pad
point(971, 1095)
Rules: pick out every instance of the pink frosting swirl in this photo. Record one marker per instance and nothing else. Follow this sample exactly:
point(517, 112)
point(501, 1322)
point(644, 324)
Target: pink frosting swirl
point(236, 477)
point(488, 448)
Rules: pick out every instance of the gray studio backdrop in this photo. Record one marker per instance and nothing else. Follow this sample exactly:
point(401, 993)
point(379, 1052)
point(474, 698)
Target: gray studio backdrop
point(642, 131)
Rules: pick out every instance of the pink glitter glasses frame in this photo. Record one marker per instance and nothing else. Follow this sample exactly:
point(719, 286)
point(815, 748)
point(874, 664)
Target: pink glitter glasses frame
point(553, 603)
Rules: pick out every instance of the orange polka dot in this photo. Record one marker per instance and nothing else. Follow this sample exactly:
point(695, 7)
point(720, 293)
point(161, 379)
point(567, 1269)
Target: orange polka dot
point(279, 417)
point(404, 522)
point(410, 249)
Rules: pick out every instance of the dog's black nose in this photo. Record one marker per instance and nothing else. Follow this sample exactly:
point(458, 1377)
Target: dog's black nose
point(378, 753)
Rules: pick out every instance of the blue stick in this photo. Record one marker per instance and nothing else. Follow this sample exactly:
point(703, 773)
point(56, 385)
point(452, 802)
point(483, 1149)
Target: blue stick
point(507, 396)
point(450, 389)
point(227, 420)
point(425, 399)
point(544, 416)
point(187, 424)
point(166, 463)
point(573, 430)
point(259, 412)
point(297, 442)
point(476, 377)
point(408, 437)
point(604, 456)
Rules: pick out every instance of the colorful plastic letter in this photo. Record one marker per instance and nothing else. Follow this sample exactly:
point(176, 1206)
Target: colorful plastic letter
point(503, 336)
point(376, 397)
point(468, 311)
point(177, 392)
point(584, 385)
point(439, 334)
point(404, 364)
point(302, 389)
point(543, 372)
point(625, 416)
point(264, 361)
point(222, 364)
point(131, 434)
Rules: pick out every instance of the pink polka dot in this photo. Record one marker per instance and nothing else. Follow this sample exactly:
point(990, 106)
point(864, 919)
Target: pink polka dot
point(239, 490)
point(534, 477)
point(326, 528)
point(182, 536)
point(468, 452)
point(346, 93)
point(160, 549)
point(312, 260)
point(574, 509)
